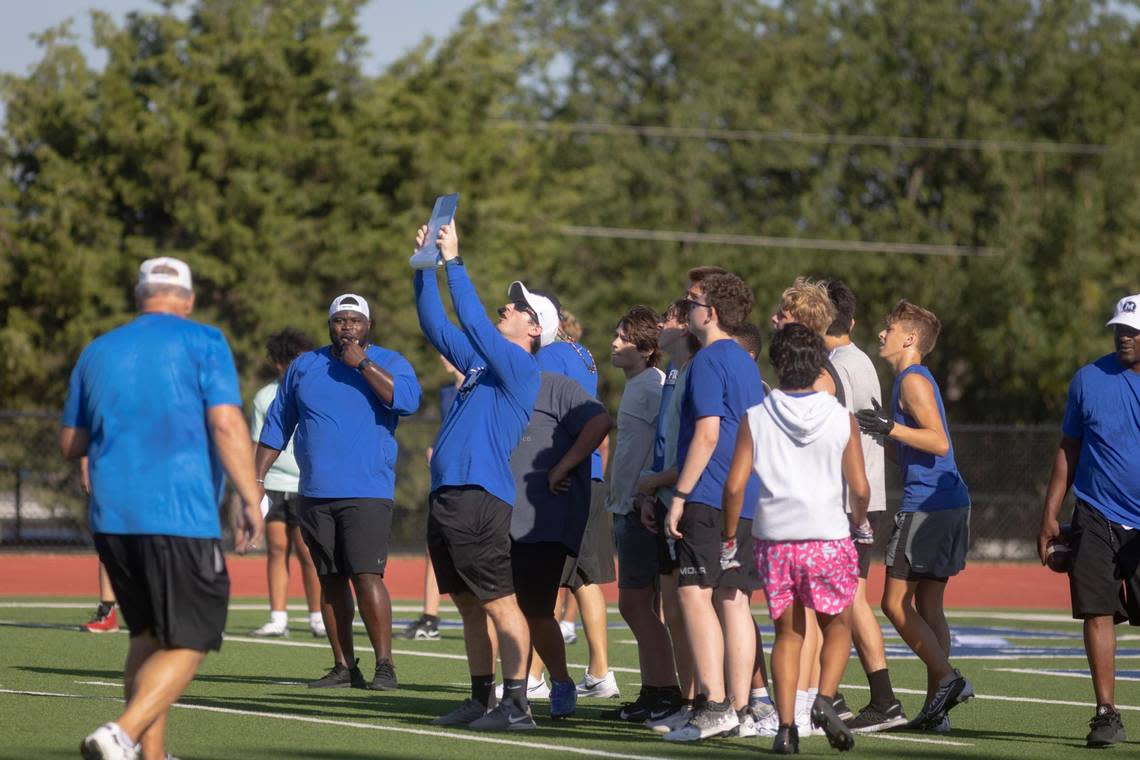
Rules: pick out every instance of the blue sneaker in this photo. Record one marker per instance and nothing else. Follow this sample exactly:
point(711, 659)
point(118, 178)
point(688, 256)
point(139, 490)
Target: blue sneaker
point(563, 698)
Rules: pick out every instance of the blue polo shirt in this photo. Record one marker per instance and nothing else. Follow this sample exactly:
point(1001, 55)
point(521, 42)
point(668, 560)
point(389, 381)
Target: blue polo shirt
point(494, 404)
point(723, 382)
point(1103, 413)
point(142, 392)
point(343, 434)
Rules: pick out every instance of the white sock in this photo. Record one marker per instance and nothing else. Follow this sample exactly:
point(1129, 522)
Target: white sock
point(315, 619)
point(279, 617)
point(759, 695)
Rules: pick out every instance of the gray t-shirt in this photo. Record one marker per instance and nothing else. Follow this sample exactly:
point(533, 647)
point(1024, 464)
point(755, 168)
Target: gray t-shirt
point(860, 385)
point(561, 411)
point(636, 431)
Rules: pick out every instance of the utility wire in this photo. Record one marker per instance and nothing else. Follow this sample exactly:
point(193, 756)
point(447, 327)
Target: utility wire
point(764, 241)
point(808, 138)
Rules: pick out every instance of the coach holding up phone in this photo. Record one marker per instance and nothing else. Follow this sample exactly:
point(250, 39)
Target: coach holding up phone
point(341, 404)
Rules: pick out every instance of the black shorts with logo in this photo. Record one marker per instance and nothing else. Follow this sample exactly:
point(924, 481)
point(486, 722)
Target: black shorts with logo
point(347, 536)
point(698, 551)
point(537, 570)
point(1105, 575)
point(176, 588)
point(284, 506)
point(469, 539)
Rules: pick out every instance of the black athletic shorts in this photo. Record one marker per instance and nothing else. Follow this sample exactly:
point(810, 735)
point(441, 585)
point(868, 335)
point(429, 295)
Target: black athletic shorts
point(176, 588)
point(1105, 575)
point(595, 560)
point(347, 536)
point(666, 547)
point(469, 539)
point(537, 570)
point(866, 550)
point(928, 546)
point(284, 506)
point(698, 551)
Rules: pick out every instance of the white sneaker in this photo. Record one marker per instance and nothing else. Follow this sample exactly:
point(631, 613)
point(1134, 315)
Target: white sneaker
point(705, 723)
point(599, 688)
point(672, 721)
point(747, 726)
point(768, 724)
point(804, 726)
point(539, 689)
point(271, 630)
point(569, 631)
point(318, 629)
point(108, 742)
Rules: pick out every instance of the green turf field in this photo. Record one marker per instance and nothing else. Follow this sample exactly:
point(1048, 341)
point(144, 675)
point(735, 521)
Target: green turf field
point(249, 701)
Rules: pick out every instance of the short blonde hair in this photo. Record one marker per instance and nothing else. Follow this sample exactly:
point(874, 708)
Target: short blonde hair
point(807, 303)
point(921, 321)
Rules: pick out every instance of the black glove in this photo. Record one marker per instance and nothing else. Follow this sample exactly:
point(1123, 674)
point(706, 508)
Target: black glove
point(874, 420)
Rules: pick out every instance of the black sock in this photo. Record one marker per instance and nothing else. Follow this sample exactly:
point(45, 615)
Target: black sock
point(105, 608)
point(882, 695)
point(515, 689)
point(481, 687)
point(430, 618)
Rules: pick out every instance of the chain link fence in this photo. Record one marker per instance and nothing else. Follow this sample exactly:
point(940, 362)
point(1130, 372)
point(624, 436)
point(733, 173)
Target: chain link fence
point(1006, 467)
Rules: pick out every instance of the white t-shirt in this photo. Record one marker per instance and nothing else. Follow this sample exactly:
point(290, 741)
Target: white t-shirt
point(636, 432)
point(797, 451)
point(860, 385)
point(284, 474)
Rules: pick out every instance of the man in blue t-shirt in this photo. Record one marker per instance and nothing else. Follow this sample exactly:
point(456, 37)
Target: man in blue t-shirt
point(723, 382)
point(340, 404)
point(473, 490)
point(1099, 457)
point(155, 407)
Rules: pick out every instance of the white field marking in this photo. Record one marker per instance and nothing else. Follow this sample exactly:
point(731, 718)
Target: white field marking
point(1029, 617)
point(1032, 672)
point(465, 736)
point(995, 697)
point(239, 606)
point(99, 683)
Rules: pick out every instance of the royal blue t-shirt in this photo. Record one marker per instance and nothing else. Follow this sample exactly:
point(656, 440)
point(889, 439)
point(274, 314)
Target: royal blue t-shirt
point(343, 434)
point(499, 389)
point(576, 362)
point(723, 382)
point(1103, 413)
point(142, 392)
point(931, 483)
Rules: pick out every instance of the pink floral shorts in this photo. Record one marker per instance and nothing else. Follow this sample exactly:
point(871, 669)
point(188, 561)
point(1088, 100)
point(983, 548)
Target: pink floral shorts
point(820, 575)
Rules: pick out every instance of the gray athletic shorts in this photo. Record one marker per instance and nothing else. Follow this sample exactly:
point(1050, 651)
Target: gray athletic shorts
point(637, 552)
point(928, 545)
point(595, 561)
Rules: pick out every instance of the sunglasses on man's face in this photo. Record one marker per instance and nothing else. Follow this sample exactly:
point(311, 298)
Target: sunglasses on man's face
point(524, 307)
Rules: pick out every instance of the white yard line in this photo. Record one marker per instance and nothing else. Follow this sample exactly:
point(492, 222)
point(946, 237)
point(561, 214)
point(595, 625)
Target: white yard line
point(995, 697)
point(1041, 672)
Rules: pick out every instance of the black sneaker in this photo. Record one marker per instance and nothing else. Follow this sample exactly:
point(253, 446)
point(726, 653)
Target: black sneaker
point(823, 716)
point(841, 708)
point(787, 741)
point(636, 711)
point(664, 703)
point(949, 695)
point(425, 627)
point(1106, 727)
point(385, 677)
point(340, 677)
point(872, 718)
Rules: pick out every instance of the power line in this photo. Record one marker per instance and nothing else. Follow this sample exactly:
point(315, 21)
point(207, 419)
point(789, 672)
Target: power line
point(808, 138)
point(765, 241)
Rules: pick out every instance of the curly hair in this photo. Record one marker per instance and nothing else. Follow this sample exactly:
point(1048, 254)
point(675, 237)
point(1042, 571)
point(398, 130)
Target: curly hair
point(698, 274)
point(806, 302)
point(797, 355)
point(843, 299)
point(287, 344)
point(640, 325)
point(922, 322)
point(730, 297)
point(749, 337)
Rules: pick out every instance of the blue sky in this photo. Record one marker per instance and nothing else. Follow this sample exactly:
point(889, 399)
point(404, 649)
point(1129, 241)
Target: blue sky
point(392, 26)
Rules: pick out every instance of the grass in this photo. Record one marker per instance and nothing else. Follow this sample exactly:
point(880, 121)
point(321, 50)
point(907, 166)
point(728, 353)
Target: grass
point(249, 700)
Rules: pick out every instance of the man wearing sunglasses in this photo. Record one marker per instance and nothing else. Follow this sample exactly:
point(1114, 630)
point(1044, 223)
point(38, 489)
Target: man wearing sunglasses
point(473, 490)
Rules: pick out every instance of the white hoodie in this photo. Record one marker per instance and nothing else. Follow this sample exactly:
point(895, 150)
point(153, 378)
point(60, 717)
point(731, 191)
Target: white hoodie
point(797, 450)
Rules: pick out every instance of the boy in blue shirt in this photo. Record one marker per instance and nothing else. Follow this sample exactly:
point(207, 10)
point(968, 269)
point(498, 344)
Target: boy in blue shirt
point(1099, 457)
point(473, 490)
point(932, 528)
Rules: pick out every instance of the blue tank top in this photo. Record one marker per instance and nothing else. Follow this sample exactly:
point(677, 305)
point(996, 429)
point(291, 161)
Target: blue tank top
point(930, 483)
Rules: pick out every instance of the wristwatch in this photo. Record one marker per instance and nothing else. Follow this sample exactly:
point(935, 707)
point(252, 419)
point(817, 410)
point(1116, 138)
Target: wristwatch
point(457, 260)
point(364, 364)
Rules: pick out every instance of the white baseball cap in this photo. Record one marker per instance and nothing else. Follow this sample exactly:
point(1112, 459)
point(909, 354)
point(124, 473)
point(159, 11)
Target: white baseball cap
point(171, 271)
point(543, 307)
point(1127, 312)
point(349, 302)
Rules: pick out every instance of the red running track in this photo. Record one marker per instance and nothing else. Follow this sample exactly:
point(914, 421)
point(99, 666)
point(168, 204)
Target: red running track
point(981, 585)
